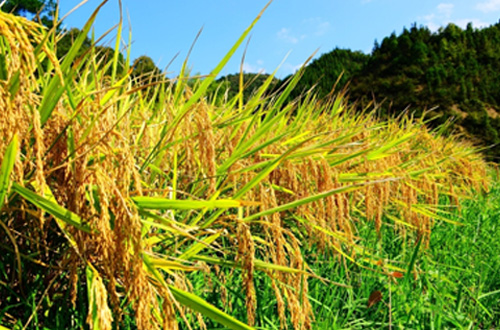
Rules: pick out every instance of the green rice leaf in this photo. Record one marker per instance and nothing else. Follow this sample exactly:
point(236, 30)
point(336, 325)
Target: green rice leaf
point(194, 302)
point(117, 45)
point(3, 68)
point(51, 207)
point(158, 203)
point(199, 246)
point(201, 306)
point(264, 173)
point(242, 147)
point(9, 159)
point(200, 91)
point(55, 89)
point(303, 201)
point(170, 265)
point(14, 84)
point(259, 265)
point(382, 151)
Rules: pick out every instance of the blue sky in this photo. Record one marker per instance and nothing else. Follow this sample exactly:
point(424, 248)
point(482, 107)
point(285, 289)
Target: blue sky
point(163, 28)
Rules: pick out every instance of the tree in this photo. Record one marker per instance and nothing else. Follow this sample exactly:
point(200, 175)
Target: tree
point(452, 68)
point(106, 54)
point(44, 9)
point(69, 37)
point(145, 69)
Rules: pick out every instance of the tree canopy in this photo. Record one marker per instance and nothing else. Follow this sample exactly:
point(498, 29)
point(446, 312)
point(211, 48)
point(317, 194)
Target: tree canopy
point(144, 67)
point(43, 8)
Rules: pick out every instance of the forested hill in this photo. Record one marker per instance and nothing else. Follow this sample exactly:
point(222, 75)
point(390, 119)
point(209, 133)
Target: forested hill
point(454, 69)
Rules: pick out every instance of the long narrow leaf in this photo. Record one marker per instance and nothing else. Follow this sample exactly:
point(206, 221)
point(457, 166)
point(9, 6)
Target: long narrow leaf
point(303, 201)
point(201, 306)
point(200, 91)
point(199, 246)
point(55, 89)
point(158, 203)
point(9, 159)
point(50, 207)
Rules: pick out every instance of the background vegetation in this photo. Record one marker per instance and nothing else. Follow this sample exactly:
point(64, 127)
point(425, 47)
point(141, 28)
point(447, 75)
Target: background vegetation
point(452, 71)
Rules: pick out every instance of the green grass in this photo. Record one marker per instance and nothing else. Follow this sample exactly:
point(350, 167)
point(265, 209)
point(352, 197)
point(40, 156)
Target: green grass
point(456, 283)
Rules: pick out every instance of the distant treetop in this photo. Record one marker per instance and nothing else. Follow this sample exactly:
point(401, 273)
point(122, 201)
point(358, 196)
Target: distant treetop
point(43, 8)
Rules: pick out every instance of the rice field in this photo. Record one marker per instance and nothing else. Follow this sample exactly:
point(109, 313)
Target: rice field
point(147, 203)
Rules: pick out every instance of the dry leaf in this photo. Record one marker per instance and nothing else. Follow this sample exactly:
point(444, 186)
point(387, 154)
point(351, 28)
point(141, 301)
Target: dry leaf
point(375, 297)
point(397, 274)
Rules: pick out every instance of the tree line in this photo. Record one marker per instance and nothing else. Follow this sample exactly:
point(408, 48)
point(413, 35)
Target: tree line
point(453, 71)
point(43, 11)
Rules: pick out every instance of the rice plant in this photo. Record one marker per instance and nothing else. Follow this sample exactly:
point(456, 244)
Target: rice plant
point(114, 193)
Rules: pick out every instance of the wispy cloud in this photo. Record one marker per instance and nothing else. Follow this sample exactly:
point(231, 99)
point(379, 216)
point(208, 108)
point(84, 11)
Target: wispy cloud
point(439, 17)
point(443, 15)
point(290, 68)
point(318, 26)
point(446, 9)
point(489, 6)
point(310, 27)
point(254, 68)
point(477, 23)
point(286, 35)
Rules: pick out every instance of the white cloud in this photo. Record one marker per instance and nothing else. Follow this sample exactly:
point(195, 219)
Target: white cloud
point(439, 17)
point(322, 28)
point(430, 22)
point(433, 26)
point(286, 35)
point(250, 68)
point(477, 23)
point(445, 9)
point(489, 6)
point(290, 68)
point(443, 15)
point(311, 27)
point(317, 25)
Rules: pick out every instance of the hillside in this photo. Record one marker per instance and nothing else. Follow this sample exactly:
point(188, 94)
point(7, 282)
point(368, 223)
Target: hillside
point(453, 71)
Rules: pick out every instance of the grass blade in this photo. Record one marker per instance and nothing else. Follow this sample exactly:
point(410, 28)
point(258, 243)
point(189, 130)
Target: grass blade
point(303, 201)
point(200, 91)
point(55, 89)
point(52, 208)
point(7, 166)
point(201, 306)
point(412, 261)
point(158, 203)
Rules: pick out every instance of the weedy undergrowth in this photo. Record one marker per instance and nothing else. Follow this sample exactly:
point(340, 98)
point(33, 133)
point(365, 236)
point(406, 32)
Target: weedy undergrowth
point(115, 190)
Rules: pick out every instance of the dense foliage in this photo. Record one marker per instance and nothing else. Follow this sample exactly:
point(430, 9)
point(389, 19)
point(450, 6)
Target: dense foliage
point(453, 69)
point(44, 9)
